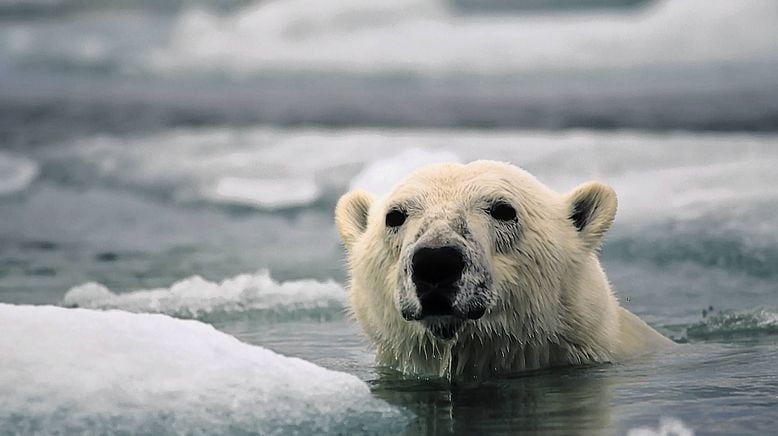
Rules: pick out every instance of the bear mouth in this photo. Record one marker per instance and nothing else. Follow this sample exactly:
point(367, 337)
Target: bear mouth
point(442, 305)
point(444, 328)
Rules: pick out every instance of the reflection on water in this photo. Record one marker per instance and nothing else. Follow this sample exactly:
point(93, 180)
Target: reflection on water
point(547, 401)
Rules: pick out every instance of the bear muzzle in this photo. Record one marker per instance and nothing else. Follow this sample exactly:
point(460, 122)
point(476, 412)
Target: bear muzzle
point(437, 278)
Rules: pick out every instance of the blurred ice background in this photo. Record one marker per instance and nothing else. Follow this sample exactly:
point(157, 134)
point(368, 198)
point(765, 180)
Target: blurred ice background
point(183, 158)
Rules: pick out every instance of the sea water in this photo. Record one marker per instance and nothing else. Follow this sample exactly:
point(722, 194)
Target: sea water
point(168, 172)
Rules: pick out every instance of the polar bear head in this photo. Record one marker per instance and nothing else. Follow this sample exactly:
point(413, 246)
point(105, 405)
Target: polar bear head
point(472, 251)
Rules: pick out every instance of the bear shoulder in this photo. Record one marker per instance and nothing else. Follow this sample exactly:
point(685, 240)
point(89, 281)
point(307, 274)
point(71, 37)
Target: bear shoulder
point(637, 338)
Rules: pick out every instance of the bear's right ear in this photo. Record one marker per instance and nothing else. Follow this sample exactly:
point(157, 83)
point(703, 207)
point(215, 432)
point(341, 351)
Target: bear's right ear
point(592, 209)
point(351, 216)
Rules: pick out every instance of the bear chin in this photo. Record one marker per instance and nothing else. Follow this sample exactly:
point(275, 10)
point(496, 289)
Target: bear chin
point(444, 328)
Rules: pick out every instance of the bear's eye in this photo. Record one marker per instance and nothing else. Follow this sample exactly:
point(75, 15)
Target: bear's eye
point(395, 218)
point(502, 211)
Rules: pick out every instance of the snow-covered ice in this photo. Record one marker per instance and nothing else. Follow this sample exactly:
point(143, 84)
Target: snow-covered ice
point(80, 370)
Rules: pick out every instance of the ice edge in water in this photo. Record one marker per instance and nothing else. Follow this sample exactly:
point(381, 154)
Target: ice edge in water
point(255, 295)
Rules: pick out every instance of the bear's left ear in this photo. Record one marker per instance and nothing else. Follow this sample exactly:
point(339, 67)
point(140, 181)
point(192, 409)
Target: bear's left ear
point(351, 216)
point(592, 209)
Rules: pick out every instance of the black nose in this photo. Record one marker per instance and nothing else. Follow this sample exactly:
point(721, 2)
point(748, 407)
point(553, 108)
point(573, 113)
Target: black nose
point(437, 267)
point(435, 270)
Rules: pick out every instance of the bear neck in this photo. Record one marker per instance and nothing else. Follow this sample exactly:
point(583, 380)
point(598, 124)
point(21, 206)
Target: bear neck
point(494, 356)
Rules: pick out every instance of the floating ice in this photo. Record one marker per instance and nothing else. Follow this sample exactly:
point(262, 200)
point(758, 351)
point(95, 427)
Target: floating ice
point(16, 173)
point(264, 193)
point(194, 297)
point(429, 36)
point(381, 175)
point(84, 371)
point(266, 168)
point(416, 36)
point(700, 172)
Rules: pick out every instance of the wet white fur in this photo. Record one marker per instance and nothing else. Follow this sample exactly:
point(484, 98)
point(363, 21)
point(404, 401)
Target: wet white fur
point(552, 304)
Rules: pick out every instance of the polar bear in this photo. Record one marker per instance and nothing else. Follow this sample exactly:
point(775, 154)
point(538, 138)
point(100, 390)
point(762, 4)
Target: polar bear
point(481, 269)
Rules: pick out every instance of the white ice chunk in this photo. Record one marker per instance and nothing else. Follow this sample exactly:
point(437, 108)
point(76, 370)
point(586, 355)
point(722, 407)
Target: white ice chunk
point(85, 371)
point(264, 193)
point(196, 297)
